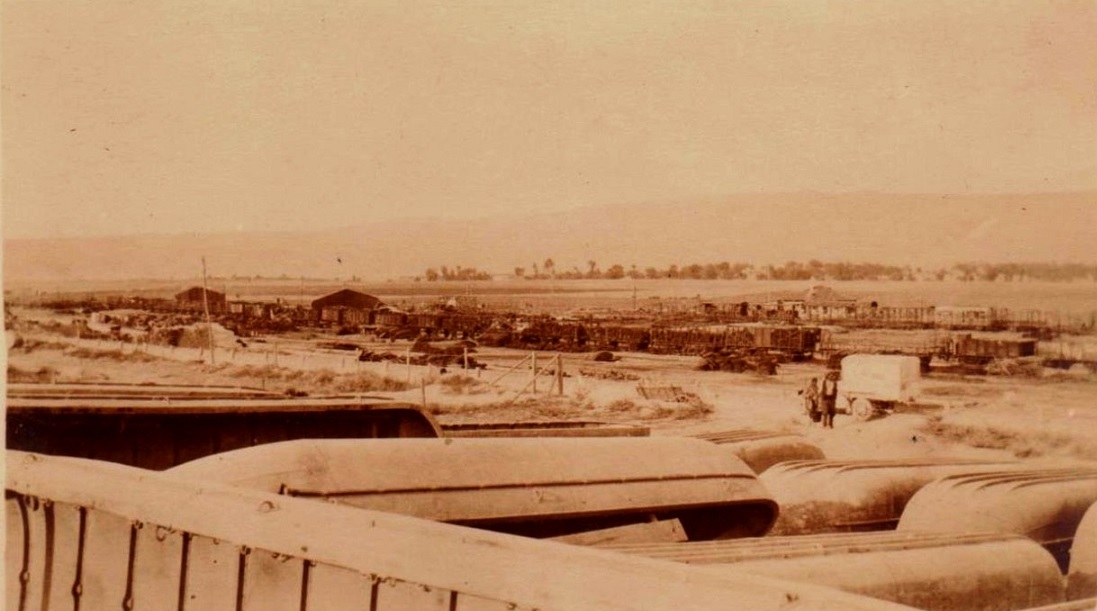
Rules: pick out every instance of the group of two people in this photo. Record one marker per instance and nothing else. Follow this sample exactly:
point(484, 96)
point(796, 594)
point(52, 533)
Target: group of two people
point(821, 402)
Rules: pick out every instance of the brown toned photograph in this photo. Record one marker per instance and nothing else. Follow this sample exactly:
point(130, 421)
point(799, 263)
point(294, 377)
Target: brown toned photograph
point(475, 306)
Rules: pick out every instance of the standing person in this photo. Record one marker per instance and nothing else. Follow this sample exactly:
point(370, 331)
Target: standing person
point(830, 398)
point(811, 399)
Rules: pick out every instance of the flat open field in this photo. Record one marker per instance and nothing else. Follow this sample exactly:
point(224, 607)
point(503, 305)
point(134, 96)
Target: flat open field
point(1052, 416)
point(1074, 298)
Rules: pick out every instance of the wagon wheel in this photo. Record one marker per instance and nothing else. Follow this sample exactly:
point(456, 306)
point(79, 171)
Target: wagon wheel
point(862, 409)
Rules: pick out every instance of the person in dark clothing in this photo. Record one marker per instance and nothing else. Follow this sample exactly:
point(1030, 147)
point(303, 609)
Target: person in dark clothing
point(829, 397)
point(811, 399)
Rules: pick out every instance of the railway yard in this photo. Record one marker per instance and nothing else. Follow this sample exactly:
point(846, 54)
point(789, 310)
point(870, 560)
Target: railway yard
point(613, 461)
point(527, 306)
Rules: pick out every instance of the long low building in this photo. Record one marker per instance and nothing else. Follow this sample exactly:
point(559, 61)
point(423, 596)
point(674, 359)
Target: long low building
point(345, 307)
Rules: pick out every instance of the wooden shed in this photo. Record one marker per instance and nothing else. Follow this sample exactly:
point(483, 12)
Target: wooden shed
point(345, 307)
point(191, 299)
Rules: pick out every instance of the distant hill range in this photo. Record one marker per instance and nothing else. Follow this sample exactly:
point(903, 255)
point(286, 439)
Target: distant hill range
point(917, 230)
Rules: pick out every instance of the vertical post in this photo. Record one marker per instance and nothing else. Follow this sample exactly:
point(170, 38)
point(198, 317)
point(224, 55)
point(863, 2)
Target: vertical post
point(533, 368)
point(423, 390)
point(466, 356)
point(559, 375)
point(205, 306)
point(407, 362)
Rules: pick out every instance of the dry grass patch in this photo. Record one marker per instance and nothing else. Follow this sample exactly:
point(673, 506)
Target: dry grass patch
point(42, 375)
point(93, 354)
point(27, 346)
point(462, 385)
point(299, 381)
point(1030, 444)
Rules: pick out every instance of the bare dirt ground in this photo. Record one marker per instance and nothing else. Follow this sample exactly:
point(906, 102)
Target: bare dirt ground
point(1049, 417)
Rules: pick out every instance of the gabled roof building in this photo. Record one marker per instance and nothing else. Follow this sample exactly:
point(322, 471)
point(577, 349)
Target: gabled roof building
point(345, 307)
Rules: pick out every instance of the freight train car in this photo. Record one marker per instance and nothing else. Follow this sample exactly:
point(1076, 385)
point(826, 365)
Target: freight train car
point(980, 351)
point(791, 341)
point(965, 317)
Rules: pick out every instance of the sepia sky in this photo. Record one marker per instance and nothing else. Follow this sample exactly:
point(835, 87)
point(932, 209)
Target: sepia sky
point(142, 116)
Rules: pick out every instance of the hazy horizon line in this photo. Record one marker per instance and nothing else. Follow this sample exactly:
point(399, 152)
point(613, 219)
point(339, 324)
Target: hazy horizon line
point(418, 279)
point(530, 211)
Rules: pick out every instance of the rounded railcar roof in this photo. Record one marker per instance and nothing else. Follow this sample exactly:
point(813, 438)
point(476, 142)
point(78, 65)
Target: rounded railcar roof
point(1019, 501)
point(794, 476)
point(334, 465)
point(842, 495)
point(764, 449)
point(482, 480)
point(1082, 573)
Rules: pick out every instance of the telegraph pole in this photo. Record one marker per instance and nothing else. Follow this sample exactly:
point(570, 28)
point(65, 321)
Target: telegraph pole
point(205, 306)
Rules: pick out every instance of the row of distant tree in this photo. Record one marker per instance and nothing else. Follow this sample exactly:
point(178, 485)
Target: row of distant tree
point(456, 273)
point(792, 270)
point(710, 271)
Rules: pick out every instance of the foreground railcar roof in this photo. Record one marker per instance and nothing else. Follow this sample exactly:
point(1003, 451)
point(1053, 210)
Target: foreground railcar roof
point(1082, 572)
point(161, 427)
point(533, 486)
point(764, 449)
point(855, 495)
point(204, 540)
point(937, 571)
point(1043, 504)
